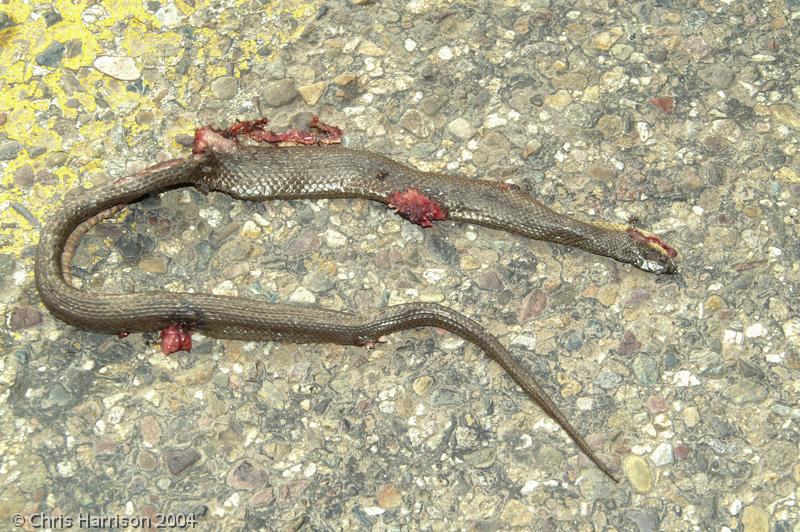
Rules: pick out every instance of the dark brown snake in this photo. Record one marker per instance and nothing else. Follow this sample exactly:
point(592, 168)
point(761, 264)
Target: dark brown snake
point(261, 173)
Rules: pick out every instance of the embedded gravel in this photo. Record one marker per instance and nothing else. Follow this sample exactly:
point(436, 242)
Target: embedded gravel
point(683, 116)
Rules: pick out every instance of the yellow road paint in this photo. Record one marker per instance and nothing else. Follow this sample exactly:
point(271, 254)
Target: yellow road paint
point(28, 91)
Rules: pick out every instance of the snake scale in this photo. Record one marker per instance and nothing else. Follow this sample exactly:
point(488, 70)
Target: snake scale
point(256, 173)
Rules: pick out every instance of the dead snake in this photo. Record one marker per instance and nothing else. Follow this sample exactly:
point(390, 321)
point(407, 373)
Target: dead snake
point(259, 173)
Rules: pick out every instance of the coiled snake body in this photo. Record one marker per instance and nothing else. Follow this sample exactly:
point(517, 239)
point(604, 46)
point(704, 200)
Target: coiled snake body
point(260, 173)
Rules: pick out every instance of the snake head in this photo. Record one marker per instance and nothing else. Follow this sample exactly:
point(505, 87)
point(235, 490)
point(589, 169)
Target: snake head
point(650, 253)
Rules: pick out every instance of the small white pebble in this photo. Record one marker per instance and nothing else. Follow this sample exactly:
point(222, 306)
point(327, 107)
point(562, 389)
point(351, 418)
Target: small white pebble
point(791, 329)
point(445, 53)
point(755, 330)
point(232, 501)
point(529, 487)
point(93, 14)
point(302, 295)
point(698, 210)
point(732, 337)
point(735, 507)
point(493, 121)
point(662, 455)
point(211, 215)
point(65, 469)
point(525, 341)
point(774, 358)
point(261, 221)
point(685, 378)
point(643, 128)
point(250, 229)
point(118, 67)
point(461, 128)
point(452, 342)
point(335, 239)
point(639, 450)
point(169, 15)
point(525, 442)
point(225, 288)
point(115, 414)
point(662, 421)
point(410, 45)
point(434, 275)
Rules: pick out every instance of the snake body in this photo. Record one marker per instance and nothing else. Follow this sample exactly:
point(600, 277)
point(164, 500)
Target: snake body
point(259, 173)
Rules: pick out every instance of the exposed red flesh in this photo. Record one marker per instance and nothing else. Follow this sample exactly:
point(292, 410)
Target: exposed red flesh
point(244, 128)
point(652, 239)
point(226, 140)
point(416, 207)
point(317, 132)
point(175, 338)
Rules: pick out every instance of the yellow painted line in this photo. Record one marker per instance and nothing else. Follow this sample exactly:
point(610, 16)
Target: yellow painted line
point(28, 91)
